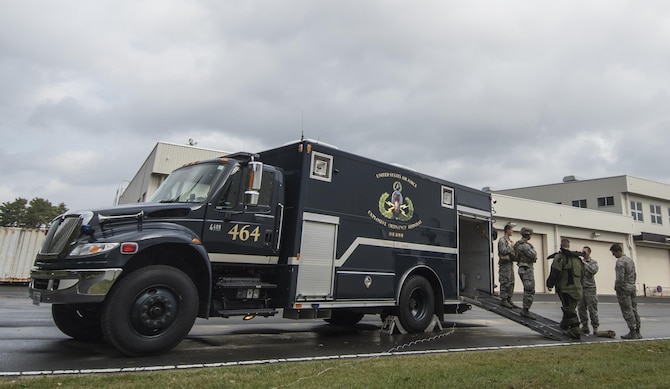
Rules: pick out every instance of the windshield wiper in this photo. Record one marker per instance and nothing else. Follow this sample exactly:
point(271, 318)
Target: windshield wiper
point(170, 201)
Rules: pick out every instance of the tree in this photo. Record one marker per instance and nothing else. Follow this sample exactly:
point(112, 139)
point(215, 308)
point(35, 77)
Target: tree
point(12, 214)
point(20, 213)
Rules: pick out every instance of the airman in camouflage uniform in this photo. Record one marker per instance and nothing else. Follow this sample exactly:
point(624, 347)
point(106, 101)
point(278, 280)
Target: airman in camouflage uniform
point(526, 256)
point(625, 288)
point(506, 267)
point(566, 275)
point(588, 305)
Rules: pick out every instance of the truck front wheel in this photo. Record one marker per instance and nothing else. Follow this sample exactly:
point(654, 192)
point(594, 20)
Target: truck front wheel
point(78, 321)
point(150, 310)
point(417, 304)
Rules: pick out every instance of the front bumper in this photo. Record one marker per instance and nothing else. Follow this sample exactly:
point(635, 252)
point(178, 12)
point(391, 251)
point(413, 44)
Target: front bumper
point(72, 286)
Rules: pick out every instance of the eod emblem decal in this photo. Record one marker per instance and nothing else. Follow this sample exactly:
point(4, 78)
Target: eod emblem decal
point(395, 208)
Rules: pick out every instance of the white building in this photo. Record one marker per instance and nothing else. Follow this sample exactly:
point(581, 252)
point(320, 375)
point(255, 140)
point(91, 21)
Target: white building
point(551, 223)
point(644, 204)
point(163, 159)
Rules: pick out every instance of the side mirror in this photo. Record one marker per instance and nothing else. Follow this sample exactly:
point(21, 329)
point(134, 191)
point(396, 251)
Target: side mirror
point(253, 186)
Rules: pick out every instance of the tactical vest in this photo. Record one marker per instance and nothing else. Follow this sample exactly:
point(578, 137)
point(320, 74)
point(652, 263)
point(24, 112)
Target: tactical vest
point(521, 256)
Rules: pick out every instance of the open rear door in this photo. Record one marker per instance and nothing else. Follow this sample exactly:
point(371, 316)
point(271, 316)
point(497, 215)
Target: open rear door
point(475, 251)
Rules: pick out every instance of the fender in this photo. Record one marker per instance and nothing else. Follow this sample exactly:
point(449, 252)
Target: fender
point(419, 269)
point(154, 236)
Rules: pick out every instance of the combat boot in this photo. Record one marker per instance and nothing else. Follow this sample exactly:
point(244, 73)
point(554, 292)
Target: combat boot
point(526, 313)
point(585, 329)
point(509, 300)
point(639, 336)
point(573, 333)
point(595, 330)
point(632, 334)
point(505, 303)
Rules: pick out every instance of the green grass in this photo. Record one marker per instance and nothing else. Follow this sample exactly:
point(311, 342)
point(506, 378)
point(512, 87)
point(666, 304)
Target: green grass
point(642, 364)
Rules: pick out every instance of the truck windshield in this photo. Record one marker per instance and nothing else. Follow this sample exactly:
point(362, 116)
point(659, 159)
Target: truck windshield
point(190, 184)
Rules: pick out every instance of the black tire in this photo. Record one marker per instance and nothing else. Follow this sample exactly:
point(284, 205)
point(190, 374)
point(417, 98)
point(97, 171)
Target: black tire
point(78, 321)
point(150, 310)
point(417, 304)
point(344, 318)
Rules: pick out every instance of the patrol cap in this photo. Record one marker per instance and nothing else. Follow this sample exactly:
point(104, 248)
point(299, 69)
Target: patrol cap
point(526, 231)
point(615, 247)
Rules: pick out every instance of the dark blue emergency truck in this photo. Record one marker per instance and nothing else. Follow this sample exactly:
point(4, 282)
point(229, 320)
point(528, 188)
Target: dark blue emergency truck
point(304, 229)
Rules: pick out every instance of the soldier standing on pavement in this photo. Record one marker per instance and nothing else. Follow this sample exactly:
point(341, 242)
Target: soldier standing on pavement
point(566, 275)
point(624, 285)
point(588, 305)
point(506, 267)
point(526, 256)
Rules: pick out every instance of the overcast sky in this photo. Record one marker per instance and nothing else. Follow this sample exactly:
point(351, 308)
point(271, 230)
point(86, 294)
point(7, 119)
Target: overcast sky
point(484, 93)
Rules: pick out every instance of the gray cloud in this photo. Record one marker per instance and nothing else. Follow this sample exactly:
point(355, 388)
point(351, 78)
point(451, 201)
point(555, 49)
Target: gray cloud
point(498, 94)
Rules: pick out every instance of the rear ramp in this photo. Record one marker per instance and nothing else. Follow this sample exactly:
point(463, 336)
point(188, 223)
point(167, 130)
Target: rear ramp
point(539, 324)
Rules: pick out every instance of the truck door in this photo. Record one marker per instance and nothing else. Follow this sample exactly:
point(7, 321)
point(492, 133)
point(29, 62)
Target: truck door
point(233, 232)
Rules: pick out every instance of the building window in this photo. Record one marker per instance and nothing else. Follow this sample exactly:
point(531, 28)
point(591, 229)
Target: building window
point(636, 210)
point(656, 217)
point(606, 201)
point(579, 203)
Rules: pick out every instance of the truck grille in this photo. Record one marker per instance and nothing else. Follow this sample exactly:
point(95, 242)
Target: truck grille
point(62, 232)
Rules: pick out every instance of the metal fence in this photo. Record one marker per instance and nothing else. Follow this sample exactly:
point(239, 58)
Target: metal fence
point(18, 247)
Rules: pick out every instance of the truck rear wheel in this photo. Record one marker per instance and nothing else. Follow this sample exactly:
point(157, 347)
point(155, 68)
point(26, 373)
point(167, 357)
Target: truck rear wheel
point(417, 304)
point(150, 310)
point(78, 321)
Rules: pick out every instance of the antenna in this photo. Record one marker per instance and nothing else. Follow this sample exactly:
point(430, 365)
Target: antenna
point(302, 125)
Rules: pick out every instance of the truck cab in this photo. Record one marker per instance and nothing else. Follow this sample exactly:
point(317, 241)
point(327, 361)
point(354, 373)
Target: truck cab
point(211, 231)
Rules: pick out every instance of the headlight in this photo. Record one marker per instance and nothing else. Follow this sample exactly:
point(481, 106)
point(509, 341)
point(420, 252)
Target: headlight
point(92, 249)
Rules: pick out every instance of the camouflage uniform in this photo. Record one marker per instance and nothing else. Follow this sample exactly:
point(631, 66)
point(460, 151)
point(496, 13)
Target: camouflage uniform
point(526, 256)
point(624, 285)
point(588, 305)
point(506, 267)
point(566, 275)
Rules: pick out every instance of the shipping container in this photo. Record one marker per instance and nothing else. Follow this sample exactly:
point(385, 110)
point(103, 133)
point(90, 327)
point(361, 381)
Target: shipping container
point(18, 248)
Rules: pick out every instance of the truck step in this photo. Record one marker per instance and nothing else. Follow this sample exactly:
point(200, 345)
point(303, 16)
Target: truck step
point(247, 312)
point(235, 282)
